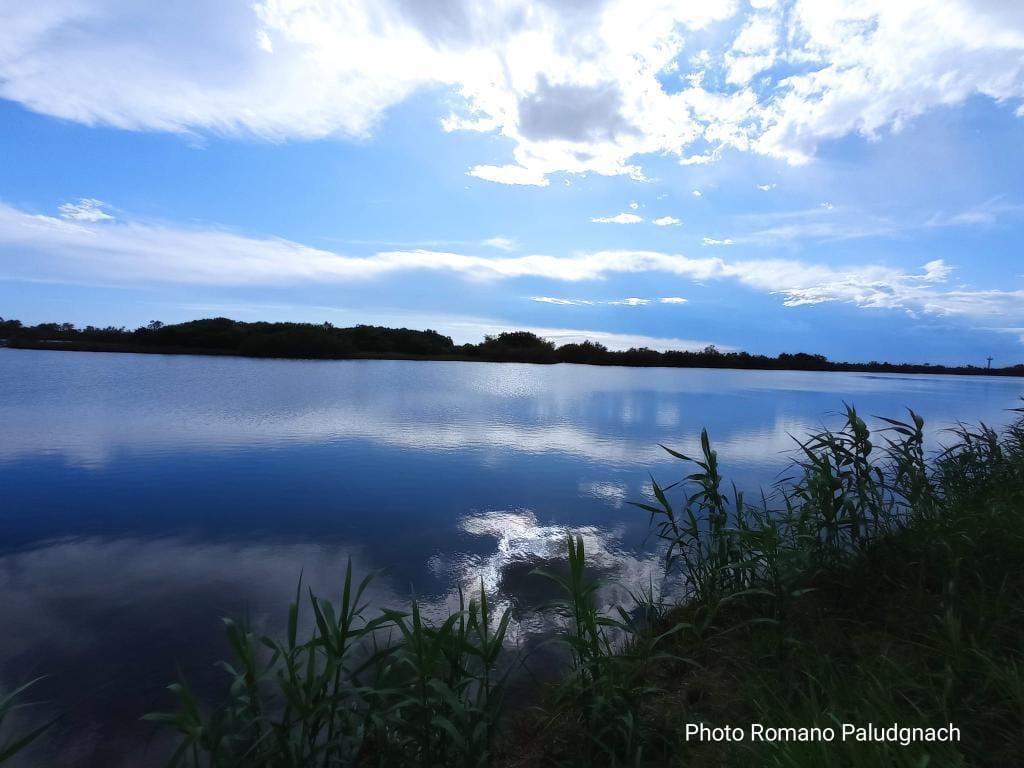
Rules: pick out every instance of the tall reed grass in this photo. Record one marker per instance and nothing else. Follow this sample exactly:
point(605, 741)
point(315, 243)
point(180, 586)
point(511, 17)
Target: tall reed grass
point(10, 703)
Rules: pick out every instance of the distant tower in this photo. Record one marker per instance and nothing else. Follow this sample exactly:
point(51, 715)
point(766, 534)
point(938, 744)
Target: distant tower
point(990, 361)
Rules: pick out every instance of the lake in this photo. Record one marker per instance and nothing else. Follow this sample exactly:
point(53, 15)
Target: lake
point(144, 496)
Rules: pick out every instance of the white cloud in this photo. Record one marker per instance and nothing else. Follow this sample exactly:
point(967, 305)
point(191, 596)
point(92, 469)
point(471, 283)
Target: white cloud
point(874, 65)
point(972, 218)
point(264, 41)
point(986, 214)
point(86, 209)
point(697, 193)
point(620, 218)
point(766, 187)
point(827, 222)
point(754, 49)
point(634, 204)
point(936, 271)
point(667, 221)
point(501, 243)
point(631, 302)
point(673, 300)
point(617, 341)
point(561, 302)
point(39, 247)
point(509, 174)
point(575, 88)
point(713, 241)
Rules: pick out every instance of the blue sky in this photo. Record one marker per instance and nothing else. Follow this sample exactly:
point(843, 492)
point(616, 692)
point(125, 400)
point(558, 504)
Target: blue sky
point(834, 177)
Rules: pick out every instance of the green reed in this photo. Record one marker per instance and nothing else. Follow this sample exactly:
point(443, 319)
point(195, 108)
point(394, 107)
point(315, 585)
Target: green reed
point(10, 703)
point(350, 693)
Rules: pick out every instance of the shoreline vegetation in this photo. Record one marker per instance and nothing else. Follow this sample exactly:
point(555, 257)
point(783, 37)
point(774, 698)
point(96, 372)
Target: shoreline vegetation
point(868, 610)
point(222, 336)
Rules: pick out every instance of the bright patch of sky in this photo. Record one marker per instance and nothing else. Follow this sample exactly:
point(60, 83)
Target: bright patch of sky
point(817, 175)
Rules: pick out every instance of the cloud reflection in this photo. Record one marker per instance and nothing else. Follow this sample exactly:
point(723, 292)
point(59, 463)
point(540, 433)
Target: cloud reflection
point(111, 620)
point(87, 410)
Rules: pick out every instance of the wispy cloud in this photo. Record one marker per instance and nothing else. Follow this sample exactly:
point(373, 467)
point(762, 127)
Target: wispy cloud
point(630, 302)
point(86, 209)
point(673, 300)
point(620, 218)
point(616, 341)
point(40, 247)
point(714, 241)
point(766, 187)
point(501, 243)
point(827, 222)
point(562, 302)
point(986, 214)
point(667, 221)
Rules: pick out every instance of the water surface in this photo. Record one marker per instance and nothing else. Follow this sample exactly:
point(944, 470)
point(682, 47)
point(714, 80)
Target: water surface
point(143, 496)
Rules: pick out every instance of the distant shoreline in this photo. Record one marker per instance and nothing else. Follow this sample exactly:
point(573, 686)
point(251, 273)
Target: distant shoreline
point(910, 369)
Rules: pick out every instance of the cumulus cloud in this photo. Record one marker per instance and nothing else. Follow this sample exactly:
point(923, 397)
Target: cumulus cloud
point(766, 187)
point(697, 193)
point(86, 209)
point(619, 218)
point(874, 65)
point(667, 221)
point(40, 247)
point(754, 49)
point(580, 114)
point(575, 87)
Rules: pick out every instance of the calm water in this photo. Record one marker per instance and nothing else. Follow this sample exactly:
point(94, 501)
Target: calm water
point(142, 497)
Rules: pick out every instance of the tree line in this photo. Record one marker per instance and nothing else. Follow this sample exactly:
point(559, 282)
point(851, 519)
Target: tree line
point(325, 341)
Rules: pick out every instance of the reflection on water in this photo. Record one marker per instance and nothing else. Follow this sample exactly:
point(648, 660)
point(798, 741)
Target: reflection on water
point(141, 497)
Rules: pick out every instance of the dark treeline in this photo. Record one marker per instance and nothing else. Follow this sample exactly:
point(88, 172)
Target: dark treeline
point(221, 336)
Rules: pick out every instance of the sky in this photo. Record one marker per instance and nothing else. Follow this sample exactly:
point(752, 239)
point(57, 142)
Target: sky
point(826, 176)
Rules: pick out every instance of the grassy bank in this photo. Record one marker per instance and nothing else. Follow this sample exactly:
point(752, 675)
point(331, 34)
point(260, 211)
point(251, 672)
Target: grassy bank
point(886, 589)
point(875, 585)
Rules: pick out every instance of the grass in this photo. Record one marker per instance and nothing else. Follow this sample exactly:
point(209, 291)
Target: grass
point(875, 584)
point(10, 703)
point(390, 690)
